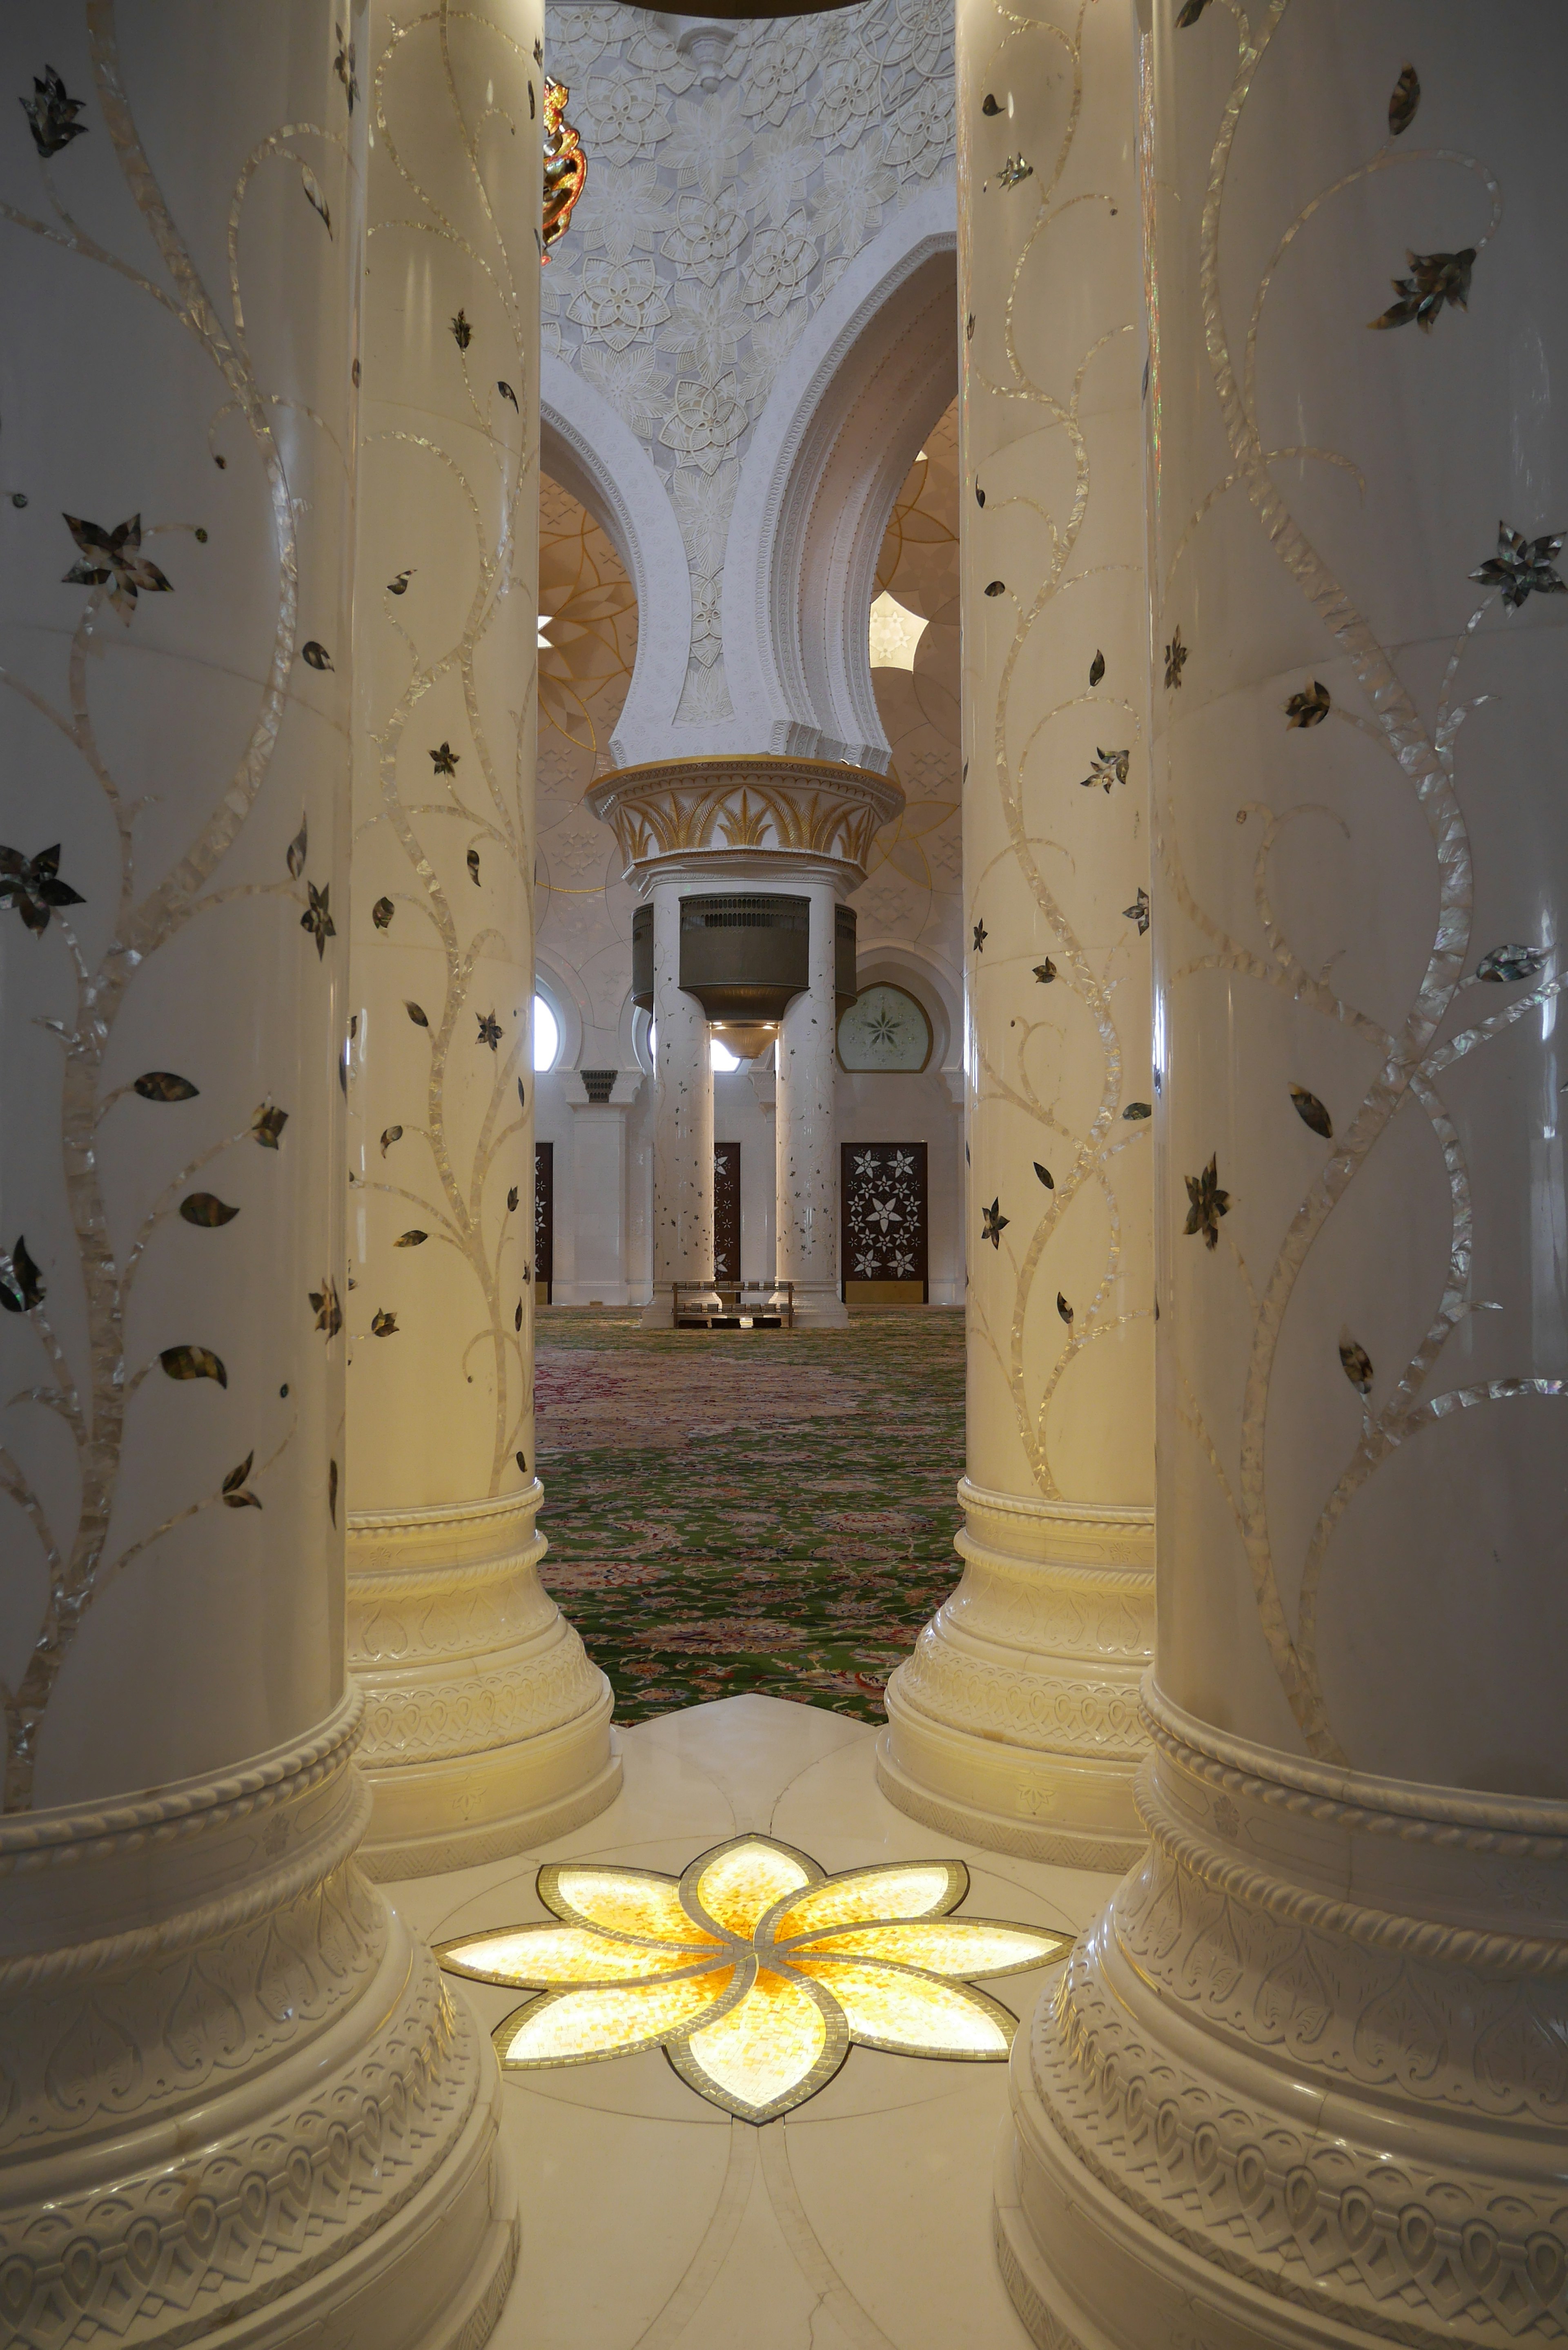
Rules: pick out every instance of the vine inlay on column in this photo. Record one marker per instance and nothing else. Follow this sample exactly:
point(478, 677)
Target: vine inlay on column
point(487, 1727)
point(1015, 1720)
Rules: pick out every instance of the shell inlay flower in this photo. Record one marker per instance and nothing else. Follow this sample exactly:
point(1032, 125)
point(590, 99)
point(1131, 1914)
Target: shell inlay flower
point(32, 885)
point(1108, 767)
point(1207, 1202)
point(755, 1971)
point(1435, 278)
point(1524, 566)
point(113, 559)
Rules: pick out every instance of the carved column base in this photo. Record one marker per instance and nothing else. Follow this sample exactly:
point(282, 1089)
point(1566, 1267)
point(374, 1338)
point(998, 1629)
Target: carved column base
point(241, 2102)
point(819, 1308)
point(487, 1731)
point(1015, 1723)
point(1305, 2083)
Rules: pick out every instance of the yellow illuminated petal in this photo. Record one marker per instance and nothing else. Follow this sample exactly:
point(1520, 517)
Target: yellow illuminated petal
point(553, 1954)
point(764, 2051)
point(570, 2026)
point(744, 1878)
point(627, 1900)
point(912, 2014)
point(943, 1946)
point(907, 1889)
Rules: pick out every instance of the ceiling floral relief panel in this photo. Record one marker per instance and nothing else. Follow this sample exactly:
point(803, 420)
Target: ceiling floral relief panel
point(730, 183)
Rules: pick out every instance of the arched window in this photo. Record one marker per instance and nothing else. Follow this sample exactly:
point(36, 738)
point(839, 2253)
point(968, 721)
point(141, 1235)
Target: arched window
point(546, 1034)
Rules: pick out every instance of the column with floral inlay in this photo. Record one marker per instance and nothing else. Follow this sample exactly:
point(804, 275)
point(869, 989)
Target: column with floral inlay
point(239, 2102)
point(682, 1115)
point(488, 1729)
point(1304, 2082)
point(1016, 1721)
point(806, 1214)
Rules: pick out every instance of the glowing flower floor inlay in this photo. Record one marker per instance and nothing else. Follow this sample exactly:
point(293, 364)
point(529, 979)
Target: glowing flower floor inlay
point(755, 1971)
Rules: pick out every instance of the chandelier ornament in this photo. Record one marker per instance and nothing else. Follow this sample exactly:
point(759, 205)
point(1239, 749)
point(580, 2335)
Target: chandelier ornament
point(565, 165)
point(755, 1971)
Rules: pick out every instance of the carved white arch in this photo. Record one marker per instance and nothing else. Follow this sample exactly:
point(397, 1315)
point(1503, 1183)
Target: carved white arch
point(858, 392)
point(595, 455)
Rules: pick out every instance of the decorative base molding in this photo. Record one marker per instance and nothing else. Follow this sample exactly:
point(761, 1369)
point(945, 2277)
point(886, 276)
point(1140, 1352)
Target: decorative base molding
point(658, 1314)
point(1014, 1724)
point(445, 1793)
point(494, 2273)
point(1305, 2083)
point(1017, 2259)
point(486, 1728)
point(1026, 1838)
point(241, 2098)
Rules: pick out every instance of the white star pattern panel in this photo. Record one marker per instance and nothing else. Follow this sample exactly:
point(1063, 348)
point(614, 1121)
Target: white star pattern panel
point(726, 1212)
point(544, 1220)
point(885, 1255)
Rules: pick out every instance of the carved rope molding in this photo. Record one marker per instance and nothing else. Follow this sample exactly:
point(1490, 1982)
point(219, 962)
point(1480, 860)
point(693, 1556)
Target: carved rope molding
point(63, 1838)
point(1528, 1826)
point(1091, 1529)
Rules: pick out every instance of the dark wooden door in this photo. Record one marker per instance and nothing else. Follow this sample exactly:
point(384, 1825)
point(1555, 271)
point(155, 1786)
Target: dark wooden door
point(545, 1219)
point(886, 1259)
point(726, 1212)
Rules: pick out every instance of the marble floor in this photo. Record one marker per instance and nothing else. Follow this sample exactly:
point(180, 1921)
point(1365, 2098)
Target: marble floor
point(861, 2221)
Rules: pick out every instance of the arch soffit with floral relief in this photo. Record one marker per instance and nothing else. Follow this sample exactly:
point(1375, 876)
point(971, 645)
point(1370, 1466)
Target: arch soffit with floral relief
point(868, 379)
point(593, 453)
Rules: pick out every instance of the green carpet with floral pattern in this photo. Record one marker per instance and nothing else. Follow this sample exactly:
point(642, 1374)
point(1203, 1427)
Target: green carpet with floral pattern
point(759, 1510)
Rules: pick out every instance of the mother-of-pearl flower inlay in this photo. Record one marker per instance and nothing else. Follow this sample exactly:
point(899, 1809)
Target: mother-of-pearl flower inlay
point(755, 1971)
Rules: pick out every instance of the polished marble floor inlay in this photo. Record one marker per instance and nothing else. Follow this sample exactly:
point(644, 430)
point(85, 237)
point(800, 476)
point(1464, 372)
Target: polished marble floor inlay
point(754, 1970)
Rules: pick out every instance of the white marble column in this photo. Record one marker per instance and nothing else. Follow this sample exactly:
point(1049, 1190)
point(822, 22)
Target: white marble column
point(1305, 2082)
point(487, 1727)
point(1015, 1722)
point(682, 1115)
point(239, 2105)
point(599, 1197)
point(805, 1246)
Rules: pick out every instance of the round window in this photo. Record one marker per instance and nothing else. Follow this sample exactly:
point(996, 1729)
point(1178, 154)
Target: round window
point(884, 1028)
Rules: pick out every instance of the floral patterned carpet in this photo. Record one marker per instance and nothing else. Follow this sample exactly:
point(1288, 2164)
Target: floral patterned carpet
point(733, 1511)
